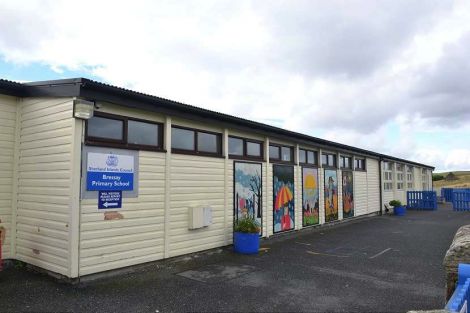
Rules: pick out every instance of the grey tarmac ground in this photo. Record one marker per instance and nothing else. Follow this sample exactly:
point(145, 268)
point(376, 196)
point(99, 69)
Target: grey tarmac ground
point(374, 264)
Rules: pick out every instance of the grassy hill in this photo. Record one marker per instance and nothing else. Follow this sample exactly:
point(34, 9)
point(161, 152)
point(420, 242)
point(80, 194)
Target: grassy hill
point(463, 180)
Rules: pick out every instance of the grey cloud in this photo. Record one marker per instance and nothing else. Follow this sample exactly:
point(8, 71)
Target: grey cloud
point(352, 38)
point(315, 38)
point(24, 28)
point(442, 91)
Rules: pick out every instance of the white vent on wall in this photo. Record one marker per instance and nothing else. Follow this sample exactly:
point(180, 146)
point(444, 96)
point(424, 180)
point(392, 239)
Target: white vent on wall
point(207, 220)
point(200, 217)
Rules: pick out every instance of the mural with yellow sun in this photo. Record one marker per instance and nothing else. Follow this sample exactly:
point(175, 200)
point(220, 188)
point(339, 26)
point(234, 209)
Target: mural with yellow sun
point(310, 197)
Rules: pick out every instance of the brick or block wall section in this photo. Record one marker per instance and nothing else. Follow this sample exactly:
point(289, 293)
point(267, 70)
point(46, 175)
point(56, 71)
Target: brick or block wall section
point(459, 252)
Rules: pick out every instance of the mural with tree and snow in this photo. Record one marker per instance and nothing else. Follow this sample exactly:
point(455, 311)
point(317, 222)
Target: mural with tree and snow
point(248, 191)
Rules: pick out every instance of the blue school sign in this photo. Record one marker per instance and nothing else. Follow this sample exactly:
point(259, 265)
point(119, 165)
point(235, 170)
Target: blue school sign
point(109, 172)
point(109, 199)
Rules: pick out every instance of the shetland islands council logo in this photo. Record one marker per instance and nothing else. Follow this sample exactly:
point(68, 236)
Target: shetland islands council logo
point(112, 160)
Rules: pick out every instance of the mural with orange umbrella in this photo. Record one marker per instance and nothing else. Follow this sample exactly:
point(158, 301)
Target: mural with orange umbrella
point(331, 195)
point(283, 198)
point(348, 194)
point(310, 196)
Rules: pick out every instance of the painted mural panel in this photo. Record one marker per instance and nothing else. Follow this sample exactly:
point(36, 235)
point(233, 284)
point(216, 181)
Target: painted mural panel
point(310, 196)
point(348, 194)
point(247, 191)
point(331, 195)
point(283, 198)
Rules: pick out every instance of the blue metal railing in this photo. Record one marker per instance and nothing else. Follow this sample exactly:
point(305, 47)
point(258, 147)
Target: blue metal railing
point(461, 296)
point(461, 200)
point(421, 200)
point(448, 193)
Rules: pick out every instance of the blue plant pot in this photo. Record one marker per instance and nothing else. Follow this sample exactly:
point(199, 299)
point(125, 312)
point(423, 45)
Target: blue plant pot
point(399, 210)
point(245, 243)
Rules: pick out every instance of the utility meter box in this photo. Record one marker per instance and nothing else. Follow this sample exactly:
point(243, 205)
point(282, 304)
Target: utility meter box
point(200, 217)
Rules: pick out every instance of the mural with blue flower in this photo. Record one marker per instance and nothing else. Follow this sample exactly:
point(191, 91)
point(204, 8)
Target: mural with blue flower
point(331, 195)
point(348, 194)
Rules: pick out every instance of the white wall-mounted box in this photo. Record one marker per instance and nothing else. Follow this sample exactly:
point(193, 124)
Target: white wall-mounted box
point(200, 217)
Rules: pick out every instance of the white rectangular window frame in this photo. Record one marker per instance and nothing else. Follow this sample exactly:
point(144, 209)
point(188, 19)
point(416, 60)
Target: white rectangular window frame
point(399, 175)
point(409, 177)
point(424, 178)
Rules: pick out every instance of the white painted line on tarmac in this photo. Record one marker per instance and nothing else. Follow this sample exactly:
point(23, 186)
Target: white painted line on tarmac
point(303, 243)
point(380, 253)
point(327, 254)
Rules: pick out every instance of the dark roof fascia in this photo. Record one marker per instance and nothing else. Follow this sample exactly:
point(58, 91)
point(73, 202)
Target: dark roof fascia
point(11, 88)
point(54, 88)
point(102, 92)
point(96, 91)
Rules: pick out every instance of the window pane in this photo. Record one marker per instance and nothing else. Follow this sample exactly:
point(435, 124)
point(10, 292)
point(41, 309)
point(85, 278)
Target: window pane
point(286, 153)
point(253, 149)
point(311, 157)
point(105, 128)
point(207, 142)
point(182, 139)
point(331, 160)
point(324, 159)
point(142, 133)
point(235, 146)
point(360, 164)
point(274, 152)
point(302, 156)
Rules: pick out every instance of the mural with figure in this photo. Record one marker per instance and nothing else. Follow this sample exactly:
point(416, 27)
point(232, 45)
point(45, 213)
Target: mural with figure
point(348, 194)
point(283, 198)
point(331, 195)
point(247, 191)
point(310, 196)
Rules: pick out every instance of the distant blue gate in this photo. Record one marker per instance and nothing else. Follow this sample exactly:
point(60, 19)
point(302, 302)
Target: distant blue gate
point(461, 200)
point(448, 193)
point(421, 200)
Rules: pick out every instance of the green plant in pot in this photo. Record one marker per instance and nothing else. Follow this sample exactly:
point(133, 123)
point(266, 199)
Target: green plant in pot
point(246, 235)
point(398, 208)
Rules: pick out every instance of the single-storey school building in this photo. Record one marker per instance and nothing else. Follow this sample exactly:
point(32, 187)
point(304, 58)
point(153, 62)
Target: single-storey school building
point(95, 177)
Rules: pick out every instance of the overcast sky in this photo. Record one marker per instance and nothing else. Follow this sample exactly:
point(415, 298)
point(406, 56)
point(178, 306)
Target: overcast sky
point(390, 76)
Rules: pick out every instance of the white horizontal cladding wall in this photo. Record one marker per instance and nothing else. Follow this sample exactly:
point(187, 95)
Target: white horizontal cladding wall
point(137, 235)
point(417, 181)
point(197, 181)
point(388, 196)
point(8, 109)
point(400, 195)
point(44, 189)
point(360, 193)
point(373, 186)
point(269, 201)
